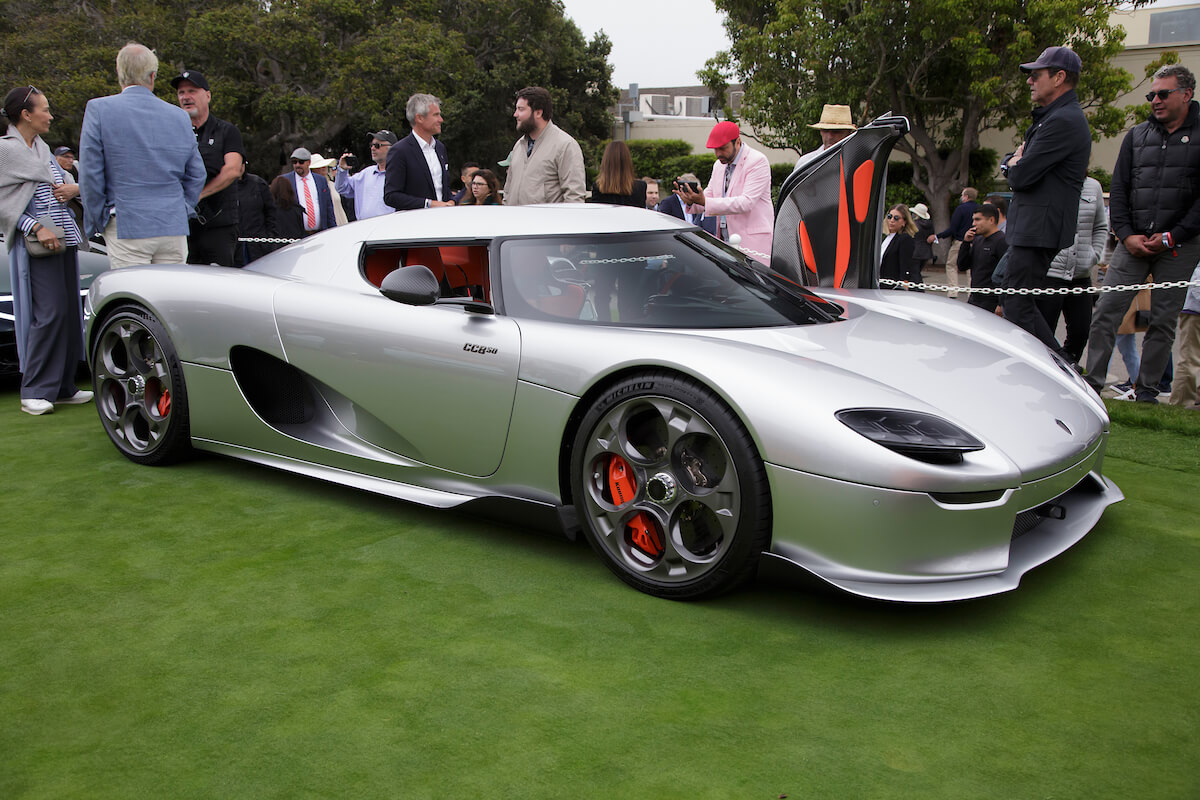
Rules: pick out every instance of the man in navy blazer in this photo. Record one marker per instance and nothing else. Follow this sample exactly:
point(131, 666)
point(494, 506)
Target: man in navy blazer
point(418, 171)
point(301, 176)
point(139, 161)
point(675, 207)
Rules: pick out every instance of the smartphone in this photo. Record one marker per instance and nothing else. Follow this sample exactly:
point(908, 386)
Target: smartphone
point(692, 185)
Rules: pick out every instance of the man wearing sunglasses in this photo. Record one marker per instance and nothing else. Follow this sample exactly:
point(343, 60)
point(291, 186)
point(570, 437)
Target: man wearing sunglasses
point(365, 187)
point(1155, 213)
point(312, 193)
point(1046, 174)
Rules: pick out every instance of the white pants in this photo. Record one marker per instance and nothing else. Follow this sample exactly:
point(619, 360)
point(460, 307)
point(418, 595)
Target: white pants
point(153, 250)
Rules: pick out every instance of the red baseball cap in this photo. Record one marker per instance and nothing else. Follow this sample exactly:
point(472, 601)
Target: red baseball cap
point(723, 133)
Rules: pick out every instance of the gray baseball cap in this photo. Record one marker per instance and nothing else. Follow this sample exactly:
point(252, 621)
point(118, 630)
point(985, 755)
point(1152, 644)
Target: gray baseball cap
point(1056, 58)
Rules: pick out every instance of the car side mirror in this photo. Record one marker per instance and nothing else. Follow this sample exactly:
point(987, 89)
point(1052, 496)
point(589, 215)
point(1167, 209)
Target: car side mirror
point(414, 285)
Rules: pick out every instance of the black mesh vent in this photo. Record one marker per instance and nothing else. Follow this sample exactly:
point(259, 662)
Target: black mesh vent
point(277, 391)
point(1025, 522)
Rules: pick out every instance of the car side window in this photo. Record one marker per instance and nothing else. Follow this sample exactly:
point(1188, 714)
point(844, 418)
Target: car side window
point(654, 279)
point(461, 270)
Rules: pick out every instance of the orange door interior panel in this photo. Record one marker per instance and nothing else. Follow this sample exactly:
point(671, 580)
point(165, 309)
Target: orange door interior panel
point(458, 266)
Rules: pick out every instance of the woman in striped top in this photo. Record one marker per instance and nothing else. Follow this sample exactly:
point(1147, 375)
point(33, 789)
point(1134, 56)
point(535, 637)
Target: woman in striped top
point(34, 190)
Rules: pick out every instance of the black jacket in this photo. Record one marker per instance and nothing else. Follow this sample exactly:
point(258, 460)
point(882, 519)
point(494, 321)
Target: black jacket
point(897, 262)
point(922, 249)
point(1048, 178)
point(289, 224)
point(960, 221)
point(256, 216)
point(407, 183)
point(981, 256)
point(673, 206)
point(1156, 182)
point(637, 198)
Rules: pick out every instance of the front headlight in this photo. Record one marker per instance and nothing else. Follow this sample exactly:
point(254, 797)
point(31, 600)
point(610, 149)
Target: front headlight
point(914, 434)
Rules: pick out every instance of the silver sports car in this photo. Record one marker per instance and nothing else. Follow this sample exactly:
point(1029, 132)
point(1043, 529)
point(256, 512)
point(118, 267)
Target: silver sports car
point(690, 410)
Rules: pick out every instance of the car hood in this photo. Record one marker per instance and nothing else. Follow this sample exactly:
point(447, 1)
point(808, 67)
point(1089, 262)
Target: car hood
point(945, 357)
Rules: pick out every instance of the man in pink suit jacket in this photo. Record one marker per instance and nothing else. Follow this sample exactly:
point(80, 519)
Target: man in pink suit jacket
point(744, 207)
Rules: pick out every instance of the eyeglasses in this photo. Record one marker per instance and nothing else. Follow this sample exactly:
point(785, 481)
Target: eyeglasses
point(377, 145)
point(298, 161)
point(895, 217)
point(32, 89)
point(1162, 94)
point(479, 184)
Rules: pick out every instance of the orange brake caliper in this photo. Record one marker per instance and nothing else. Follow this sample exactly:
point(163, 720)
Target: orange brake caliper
point(643, 533)
point(164, 404)
point(620, 481)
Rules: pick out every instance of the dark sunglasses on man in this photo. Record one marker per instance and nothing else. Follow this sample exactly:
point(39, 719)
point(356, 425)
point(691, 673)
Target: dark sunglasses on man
point(1161, 94)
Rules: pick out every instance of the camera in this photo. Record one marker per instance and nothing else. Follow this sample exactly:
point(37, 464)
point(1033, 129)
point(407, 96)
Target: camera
point(351, 162)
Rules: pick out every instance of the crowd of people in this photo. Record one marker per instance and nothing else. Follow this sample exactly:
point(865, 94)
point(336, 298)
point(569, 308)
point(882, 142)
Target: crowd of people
point(197, 202)
point(1044, 247)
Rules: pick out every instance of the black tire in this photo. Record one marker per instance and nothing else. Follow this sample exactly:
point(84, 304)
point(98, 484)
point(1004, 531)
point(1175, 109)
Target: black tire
point(140, 394)
point(679, 510)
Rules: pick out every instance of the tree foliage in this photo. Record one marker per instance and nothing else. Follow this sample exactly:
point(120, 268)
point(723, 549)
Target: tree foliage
point(323, 73)
point(950, 66)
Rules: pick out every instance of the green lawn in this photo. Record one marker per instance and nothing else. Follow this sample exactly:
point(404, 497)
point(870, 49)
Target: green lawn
point(220, 630)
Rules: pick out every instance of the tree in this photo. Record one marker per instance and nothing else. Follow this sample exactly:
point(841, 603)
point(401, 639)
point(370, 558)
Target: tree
point(323, 73)
point(950, 67)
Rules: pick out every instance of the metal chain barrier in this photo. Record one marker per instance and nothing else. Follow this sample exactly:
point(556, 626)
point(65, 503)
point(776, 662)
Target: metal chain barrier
point(1135, 287)
point(630, 260)
point(763, 257)
point(883, 282)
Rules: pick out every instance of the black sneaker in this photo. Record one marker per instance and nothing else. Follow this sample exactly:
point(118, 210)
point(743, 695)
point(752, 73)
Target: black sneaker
point(1145, 396)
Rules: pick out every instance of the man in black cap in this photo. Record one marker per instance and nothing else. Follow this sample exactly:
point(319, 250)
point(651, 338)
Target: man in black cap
point(213, 237)
point(365, 187)
point(1046, 174)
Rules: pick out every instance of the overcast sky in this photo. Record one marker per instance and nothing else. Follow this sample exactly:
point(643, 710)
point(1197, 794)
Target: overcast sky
point(642, 33)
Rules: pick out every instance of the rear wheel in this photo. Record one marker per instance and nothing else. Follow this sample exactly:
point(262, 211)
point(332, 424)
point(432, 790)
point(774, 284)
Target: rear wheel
point(670, 489)
point(139, 388)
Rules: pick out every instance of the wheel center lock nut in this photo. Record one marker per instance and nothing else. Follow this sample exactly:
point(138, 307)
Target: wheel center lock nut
point(661, 488)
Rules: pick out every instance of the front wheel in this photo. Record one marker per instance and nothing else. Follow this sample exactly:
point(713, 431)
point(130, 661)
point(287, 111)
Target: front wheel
point(670, 488)
point(139, 388)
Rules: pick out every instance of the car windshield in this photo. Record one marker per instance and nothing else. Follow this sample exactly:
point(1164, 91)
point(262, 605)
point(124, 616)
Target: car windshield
point(666, 279)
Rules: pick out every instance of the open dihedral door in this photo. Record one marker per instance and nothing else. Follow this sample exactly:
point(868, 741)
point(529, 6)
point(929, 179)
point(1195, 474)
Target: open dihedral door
point(828, 226)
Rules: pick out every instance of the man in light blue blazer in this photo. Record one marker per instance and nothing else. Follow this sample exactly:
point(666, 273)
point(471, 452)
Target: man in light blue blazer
point(140, 174)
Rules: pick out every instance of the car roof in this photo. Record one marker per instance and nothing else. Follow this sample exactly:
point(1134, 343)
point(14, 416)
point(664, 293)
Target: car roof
point(489, 222)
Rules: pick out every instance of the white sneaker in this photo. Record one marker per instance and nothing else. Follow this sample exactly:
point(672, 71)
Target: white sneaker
point(77, 399)
point(36, 406)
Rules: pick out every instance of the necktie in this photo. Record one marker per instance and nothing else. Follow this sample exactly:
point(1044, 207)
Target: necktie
point(311, 221)
point(528, 147)
point(723, 231)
